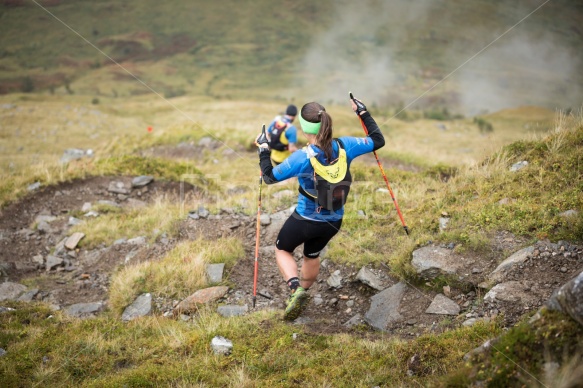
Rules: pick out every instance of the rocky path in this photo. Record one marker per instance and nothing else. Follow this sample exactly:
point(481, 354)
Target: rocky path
point(34, 233)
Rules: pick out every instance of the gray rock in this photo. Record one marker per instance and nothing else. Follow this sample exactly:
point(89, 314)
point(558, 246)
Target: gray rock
point(117, 188)
point(367, 277)
point(34, 186)
point(518, 166)
point(140, 307)
point(11, 291)
point(53, 262)
point(84, 310)
point(43, 227)
point(335, 280)
point(517, 258)
point(29, 295)
point(221, 345)
point(2, 352)
point(215, 272)
point(73, 240)
point(140, 240)
point(355, 320)
point(86, 207)
point(442, 305)
point(141, 181)
point(74, 221)
point(232, 310)
point(443, 221)
point(569, 299)
point(384, 308)
point(429, 262)
point(265, 219)
point(72, 154)
point(44, 218)
point(511, 291)
point(569, 213)
point(39, 260)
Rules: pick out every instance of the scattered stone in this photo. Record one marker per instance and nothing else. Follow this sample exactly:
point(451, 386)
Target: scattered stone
point(469, 322)
point(355, 320)
point(73, 240)
point(39, 260)
point(215, 272)
point(141, 181)
point(44, 218)
point(335, 280)
point(569, 213)
point(443, 221)
point(43, 227)
point(447, 291)
point(91, 213)
point(74, 154)
point(517, 258)
point(518, 166)
point(511, 291)
point(429, 262)
point(34, 186)
point(201, 297)
point(232, 310)
point(11, 291)
point(84, 310)
point(2, 352)
point(265, 219)
point(221, 346)
point(74, 221)
point(569, 299)
point(140, 307)
point(384, 308)
point(29, 295)
point(53, 262)
point(367, 277)
point(140, 240)
point(442, 305)
point(117, 188)
point(86, 207)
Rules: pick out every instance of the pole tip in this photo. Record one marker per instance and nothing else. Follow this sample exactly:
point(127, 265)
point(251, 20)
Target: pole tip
point(351, 96)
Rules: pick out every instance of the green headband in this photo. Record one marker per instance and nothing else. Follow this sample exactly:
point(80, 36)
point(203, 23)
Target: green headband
point(308, 127)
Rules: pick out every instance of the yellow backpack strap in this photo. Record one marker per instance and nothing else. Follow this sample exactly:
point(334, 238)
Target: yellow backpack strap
point(332, 173)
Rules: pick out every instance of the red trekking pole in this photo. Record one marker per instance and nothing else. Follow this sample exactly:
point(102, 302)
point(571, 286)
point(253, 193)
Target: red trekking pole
point(262, 138)
point(384, 176)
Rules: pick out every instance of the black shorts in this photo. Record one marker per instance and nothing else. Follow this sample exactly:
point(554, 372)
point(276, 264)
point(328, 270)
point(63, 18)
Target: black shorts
point(313, 234)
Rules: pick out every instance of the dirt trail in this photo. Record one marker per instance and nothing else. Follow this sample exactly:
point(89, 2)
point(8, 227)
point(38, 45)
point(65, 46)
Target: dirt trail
point(85, 277)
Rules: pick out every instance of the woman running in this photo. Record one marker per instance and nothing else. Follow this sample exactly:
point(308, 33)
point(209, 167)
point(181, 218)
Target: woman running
point(323, 172)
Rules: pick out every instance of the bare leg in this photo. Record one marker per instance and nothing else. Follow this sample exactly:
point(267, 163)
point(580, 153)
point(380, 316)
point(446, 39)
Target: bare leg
point(309, 272)
point(286, 264)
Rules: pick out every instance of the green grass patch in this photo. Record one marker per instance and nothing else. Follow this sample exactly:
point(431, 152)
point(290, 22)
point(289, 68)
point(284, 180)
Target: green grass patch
point(176, 275)
point(47, 348)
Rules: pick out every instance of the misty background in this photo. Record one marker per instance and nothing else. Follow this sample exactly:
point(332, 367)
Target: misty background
point(395, 51)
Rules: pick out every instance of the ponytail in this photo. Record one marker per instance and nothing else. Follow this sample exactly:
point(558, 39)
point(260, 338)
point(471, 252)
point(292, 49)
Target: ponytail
point(316, 113)
point(324, 136)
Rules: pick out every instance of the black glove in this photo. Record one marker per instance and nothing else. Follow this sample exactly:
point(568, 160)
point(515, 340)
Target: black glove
point(360, 107)
point(262, 141)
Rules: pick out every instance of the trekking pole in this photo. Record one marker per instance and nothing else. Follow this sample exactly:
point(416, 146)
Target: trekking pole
point(262, 137)
point(384, 176)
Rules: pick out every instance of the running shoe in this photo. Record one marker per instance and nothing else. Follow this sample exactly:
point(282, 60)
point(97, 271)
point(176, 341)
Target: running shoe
point(296, 304)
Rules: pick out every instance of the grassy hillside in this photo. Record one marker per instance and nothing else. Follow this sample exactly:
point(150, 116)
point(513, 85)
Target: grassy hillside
point(195, 71)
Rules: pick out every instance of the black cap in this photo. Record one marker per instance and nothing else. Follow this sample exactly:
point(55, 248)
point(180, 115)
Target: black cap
point(291, 110)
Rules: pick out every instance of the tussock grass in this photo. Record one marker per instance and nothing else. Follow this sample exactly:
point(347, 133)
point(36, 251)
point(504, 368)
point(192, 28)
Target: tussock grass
point(151, 222)
point(154, 350)
point(176, 275)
